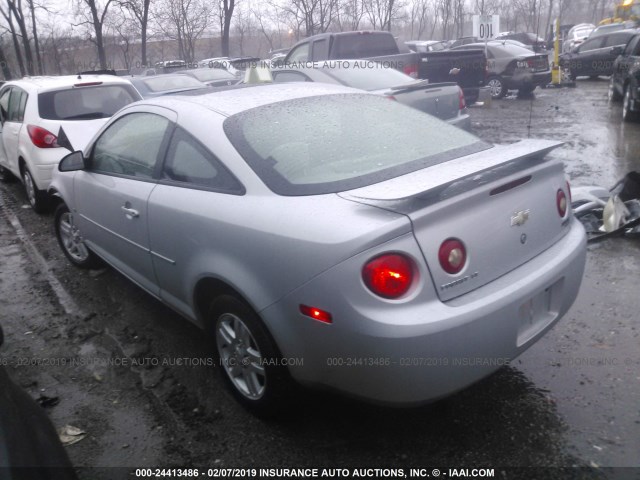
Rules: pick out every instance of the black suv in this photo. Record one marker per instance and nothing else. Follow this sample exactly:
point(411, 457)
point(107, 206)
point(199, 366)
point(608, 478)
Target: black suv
point(596, 56)
point(625, 79)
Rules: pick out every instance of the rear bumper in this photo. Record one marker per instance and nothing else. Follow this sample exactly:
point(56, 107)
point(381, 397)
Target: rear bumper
point(409, 354)
point(463, 121)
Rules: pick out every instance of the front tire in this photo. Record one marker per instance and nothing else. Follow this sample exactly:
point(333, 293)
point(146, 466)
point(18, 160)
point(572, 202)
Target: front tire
point(496, 87)
point(38, 199)
point(613, 94)
point(628, 115)
point(252, 366)
point(71, 240)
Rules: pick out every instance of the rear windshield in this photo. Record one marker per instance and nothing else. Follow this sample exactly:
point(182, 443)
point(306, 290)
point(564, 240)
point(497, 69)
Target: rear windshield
point(332, 143)
point(210, 74)
point(368, 76)
point(363, 45)
point(166, 83)
point(85, 103)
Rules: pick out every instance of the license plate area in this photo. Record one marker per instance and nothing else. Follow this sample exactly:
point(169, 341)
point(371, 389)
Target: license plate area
point(538, 312)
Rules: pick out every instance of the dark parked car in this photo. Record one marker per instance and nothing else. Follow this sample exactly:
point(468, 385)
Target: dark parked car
point(530, 39)
point(596, 55)
point(511, 67)
point(214, 77)
point(625, 80)
point(29, 445)
point(156, 85)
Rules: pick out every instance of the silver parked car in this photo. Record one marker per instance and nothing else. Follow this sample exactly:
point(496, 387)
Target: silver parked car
point(328, 236)
point(442, 100)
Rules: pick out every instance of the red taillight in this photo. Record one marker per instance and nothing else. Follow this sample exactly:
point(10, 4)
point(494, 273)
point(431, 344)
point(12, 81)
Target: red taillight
point(42, 138)
point(561, 203)
point(411, 70)
point(389, 275)
point(462, 104)
point(452, 255)
point(316, 314)
point(391, 97)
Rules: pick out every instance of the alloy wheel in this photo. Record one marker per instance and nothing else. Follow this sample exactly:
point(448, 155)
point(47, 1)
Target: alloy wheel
point(240, 356)
point(71, 239)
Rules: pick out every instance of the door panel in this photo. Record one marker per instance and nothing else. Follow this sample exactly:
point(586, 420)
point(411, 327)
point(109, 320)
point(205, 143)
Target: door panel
point(111, 194)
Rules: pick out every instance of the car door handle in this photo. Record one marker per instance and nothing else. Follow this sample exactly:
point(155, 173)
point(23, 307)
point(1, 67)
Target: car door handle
point(131, 212)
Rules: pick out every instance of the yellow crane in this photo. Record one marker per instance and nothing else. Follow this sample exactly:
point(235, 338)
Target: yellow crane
point(628, 10)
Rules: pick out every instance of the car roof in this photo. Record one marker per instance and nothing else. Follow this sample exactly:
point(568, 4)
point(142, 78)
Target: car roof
point(235, 100)
point(45, 83)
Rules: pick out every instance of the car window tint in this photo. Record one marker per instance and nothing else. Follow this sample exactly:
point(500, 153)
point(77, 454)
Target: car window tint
point(631, 45)
point(23, 106)
point(282, 77)
point(188, 161)
point(371, 140)
point(85, 103)
point(300, 54)
point(592, 44)
point(16, 105)
point(616, 39)
point(130, 146)
point(4, 104)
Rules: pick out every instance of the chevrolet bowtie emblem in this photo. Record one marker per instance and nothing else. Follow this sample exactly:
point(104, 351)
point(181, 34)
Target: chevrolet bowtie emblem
point(520, 218)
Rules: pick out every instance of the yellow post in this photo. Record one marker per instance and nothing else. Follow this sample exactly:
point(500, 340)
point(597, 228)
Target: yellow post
point(556, 74)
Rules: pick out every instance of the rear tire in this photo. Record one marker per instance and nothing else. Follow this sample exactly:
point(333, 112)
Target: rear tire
point(628, 115)
point(38, 199)
point(71, 240)
point(250, 360)
point(613, 94)
point(496, 87)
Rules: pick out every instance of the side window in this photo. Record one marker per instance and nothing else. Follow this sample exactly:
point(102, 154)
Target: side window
point(592, 44)
point(281, 77)
point(188, 161)
point(16, 105)
point(130, 146)
point(636, 47)
point(300, 53)
point(320, 49)
point(4, 104)
point(616, 39)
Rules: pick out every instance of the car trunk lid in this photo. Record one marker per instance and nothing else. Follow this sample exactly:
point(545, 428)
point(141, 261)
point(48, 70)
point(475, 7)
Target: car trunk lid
point(440, 100)
point(501, 203)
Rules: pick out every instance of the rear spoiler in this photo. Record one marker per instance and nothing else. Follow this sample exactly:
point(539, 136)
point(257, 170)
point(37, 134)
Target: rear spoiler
point(454, 176)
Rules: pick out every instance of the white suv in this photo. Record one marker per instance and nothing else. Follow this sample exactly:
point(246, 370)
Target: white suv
point(35, 110)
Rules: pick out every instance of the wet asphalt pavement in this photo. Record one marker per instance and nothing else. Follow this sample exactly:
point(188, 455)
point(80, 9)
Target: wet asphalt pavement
point(122, 368)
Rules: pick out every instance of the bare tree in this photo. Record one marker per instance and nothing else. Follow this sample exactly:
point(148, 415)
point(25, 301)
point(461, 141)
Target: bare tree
point(350, 14)
point(6, 72)
point(225, 14)
point(8, 16)
point(184, 21)
point(316, 16)
point(92, 15)
point(140, 10)
point(15, 11)
point(381, 13)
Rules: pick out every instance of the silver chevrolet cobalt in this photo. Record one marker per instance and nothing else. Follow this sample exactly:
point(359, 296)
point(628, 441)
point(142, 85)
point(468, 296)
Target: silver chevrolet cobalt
point(328, 237)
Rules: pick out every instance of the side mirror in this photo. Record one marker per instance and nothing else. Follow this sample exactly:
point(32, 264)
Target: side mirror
point(616, 51)
point(72, 162)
